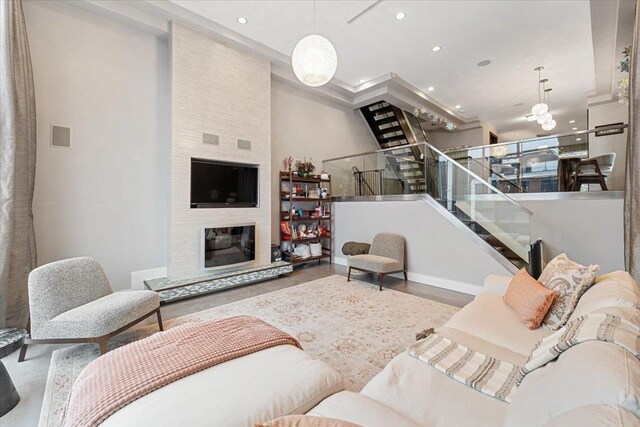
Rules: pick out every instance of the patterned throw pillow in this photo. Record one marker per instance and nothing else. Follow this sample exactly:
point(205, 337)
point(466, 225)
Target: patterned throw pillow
point(569, 280)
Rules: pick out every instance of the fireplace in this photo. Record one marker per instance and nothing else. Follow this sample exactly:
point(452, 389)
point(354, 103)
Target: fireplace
point(228, 246)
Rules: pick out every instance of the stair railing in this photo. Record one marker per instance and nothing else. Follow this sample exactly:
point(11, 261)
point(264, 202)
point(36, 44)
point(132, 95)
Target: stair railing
point(362, 179)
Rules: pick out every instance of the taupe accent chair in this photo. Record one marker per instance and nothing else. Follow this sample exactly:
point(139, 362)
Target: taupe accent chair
point(386, 256)
point(593, 170)
point(71, 301)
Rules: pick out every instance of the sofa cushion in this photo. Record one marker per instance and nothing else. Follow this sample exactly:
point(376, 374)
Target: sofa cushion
point(590, 373)
point(376, 263)
point(254, 388)
point(528, 298)
point(360, 409)
point(100, 317)
point(570, 280)
point(306, 421)
point(430, 398)
point(595, 415)
point(617, 289)
point(489, 318)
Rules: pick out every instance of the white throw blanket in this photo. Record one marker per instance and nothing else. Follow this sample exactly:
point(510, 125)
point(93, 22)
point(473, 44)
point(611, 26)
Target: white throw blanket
point(500, 379)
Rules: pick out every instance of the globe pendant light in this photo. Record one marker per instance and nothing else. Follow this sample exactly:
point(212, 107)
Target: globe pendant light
point(544, 118)
point(314, 58)
point(541, 107)
point(549, 125)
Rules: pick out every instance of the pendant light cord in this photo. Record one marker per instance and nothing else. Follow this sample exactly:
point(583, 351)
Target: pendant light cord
point(539, 75)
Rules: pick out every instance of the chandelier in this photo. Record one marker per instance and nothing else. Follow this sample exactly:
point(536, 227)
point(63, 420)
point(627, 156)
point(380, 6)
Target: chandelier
point(540, 112)
point(314, 58)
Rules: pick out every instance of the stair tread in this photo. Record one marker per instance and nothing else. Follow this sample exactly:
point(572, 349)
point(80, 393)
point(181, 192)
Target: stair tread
point(386, 120)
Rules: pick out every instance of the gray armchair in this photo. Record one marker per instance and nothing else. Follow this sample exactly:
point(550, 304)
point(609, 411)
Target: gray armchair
point(71, 301)
point(386, 256)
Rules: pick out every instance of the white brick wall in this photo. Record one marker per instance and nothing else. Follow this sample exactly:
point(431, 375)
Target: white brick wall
point(217, 90)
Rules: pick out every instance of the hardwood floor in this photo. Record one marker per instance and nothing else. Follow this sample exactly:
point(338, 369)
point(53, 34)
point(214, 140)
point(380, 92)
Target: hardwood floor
point(30, 376)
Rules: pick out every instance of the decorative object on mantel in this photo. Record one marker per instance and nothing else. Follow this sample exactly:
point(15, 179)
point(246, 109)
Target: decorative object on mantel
point(314, 59)
point(305, 168)
point(623, 84)
point(173, 290)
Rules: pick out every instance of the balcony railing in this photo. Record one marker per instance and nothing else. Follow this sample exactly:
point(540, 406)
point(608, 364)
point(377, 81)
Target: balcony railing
point(549, 164)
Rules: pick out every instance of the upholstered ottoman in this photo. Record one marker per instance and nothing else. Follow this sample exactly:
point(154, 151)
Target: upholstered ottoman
point(254, 388)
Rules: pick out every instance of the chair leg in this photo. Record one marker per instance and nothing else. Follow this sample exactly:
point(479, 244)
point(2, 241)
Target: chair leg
point(349, 275)
point(603, 184)
point(104, 345)
point(380, 279)
point(23, 353)
point(405, 275)
point(159, 320)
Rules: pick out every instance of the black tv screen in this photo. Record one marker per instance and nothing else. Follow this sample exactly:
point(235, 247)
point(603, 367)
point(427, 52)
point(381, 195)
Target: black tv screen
point(219, 185)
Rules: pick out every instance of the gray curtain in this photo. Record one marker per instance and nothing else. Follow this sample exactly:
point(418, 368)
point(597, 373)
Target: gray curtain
point(632, 184)
point(17, 165)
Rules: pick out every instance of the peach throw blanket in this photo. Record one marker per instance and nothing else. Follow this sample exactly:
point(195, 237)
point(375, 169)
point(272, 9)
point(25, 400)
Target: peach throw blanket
point(123, 375)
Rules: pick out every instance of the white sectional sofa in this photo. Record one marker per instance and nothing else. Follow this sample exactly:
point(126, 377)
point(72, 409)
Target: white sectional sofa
point(591, 384)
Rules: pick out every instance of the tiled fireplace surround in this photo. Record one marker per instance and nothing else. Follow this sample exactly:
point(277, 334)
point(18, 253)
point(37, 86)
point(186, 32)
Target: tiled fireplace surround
point(218, 91)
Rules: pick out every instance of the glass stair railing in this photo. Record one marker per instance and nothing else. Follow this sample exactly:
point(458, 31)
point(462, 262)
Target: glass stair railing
point(463, 196)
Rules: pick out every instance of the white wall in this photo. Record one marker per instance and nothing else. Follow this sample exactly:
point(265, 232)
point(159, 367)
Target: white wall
point(588, 231)
point(303, 125)
point(106, 196)
point(221, 91)
point(444, 140)
point(606, 114)
point(438, 253)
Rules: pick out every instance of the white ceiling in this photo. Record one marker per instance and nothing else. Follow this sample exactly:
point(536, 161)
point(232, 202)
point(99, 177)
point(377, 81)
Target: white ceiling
point(515, 35)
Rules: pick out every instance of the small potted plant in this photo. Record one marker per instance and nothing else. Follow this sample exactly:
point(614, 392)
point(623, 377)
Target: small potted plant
point(305, 168)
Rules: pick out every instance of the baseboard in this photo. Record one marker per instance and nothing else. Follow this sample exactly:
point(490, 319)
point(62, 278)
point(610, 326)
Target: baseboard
point(137, 277)
point(452, 285)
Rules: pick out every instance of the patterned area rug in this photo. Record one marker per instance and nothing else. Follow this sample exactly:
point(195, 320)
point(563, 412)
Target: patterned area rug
point(350, 325)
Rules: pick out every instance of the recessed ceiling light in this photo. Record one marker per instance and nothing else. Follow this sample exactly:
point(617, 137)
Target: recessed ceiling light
point(362, 81)
point(578, 139)
point(572, 121)
point(436, 48)
point(484, 63)
point(574, 128)
point(242, 20)
point(431, 88)
point(458, 107)
point(400, 15)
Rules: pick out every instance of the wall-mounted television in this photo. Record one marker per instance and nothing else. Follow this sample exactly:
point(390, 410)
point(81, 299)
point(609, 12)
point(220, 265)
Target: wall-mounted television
point(217, 184)
point(228, 246)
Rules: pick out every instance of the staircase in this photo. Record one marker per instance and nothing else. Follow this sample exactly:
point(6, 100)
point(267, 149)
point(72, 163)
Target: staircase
point(420, 168)
point(391, 128)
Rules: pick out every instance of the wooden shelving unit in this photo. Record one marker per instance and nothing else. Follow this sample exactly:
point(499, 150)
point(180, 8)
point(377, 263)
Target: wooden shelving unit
point(301, 201)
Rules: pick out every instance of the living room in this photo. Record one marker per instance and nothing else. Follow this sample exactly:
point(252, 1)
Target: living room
point(415, 171)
